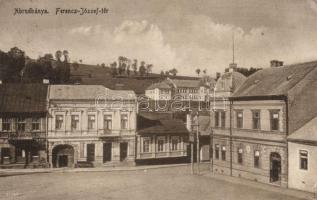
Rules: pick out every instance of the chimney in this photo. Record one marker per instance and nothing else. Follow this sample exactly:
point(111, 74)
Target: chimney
point(276, 63)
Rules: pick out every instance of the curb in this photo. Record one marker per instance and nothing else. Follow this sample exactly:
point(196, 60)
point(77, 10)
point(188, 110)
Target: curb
point(77, 170)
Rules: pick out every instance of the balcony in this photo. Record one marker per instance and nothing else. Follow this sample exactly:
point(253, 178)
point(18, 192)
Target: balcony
point(25, 135)
point(116, 132)
point(110, 133)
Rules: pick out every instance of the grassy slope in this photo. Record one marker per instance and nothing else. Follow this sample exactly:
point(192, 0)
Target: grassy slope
point(95, 75)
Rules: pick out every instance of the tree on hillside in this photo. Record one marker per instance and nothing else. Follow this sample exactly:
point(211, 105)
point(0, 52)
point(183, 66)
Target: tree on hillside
point(198, 71)
point(135, 66)
point(66, 56)
point(167, 73)
point(58, 55)
point(205, 71)
point(12, 64)
point(142, 68)
point(162, 74)
point(75, 65)
point(113, 67)
point(173, 71)
point(103, 65)
point(149, 69)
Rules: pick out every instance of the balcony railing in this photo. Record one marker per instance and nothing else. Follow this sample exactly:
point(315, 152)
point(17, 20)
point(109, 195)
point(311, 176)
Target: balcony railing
point(116, 132)
point(21, 135)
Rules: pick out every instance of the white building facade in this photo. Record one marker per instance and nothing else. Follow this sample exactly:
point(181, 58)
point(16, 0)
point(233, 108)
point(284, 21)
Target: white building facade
point(91, 125)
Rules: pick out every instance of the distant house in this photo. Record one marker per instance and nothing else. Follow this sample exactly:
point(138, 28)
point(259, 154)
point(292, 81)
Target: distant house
point(23, 111)
point(161, 141)
point(169, 89)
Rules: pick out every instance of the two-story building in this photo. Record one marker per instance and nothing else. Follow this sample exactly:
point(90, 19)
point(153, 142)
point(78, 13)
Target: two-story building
point(250, 140)
point(91, 124)
point(169, 89)
point(23, 110)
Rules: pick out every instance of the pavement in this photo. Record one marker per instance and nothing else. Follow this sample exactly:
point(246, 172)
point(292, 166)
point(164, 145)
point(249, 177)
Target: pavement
point(175, 171)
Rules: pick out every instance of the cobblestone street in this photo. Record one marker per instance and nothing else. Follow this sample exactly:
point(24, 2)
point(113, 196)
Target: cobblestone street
point(168, 183)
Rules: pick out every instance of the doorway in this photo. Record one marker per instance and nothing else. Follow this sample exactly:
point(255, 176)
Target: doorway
point(90, 152)
point(63, 156)
point(5, 155)
point(123, 151)
point(107, 152)
point(62, 161)
point(275, 167)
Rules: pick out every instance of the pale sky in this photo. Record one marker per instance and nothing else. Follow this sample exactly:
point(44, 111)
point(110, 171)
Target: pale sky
point(185, 34)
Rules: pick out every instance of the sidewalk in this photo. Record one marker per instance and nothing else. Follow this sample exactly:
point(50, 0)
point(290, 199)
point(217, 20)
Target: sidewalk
point(257, 185)
point(16, 172)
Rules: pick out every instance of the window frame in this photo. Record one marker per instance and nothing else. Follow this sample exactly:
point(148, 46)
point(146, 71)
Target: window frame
point(59, 120)
point(239, 120)
point(303, 165)
point(146, 145)
point(21, 124)
point(74, 121)
point(6, 122)
point(223, 119)
point(217, 151)
point(91, 123)
point(277, 128)
point(256, 159)
point(124, 121)
point(36, 123)
point(217, 119)
point(223, 153)
point(161, 146)
point(175, 138)
point(240, 155)
point(256, 118)
point(107, 119)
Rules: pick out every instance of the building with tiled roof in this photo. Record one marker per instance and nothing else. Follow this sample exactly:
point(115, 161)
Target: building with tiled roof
point(250, 133)
point(23, 111)
point(169, 89)
point(302, 150)
point(90, 125)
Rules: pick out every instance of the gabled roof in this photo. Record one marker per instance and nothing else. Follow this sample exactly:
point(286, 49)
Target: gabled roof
point(186, 83)
point(160, 126)
point(23, 98)
point(160, 85)
point(274, 81)
point(307, 133)
point(88, 92)
point(178, 83)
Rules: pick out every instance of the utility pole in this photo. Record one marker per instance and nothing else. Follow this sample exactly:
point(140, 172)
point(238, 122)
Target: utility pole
point(192, 157)
point(198, 151)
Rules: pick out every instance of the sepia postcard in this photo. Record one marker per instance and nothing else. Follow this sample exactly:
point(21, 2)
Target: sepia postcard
point(158, 99)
